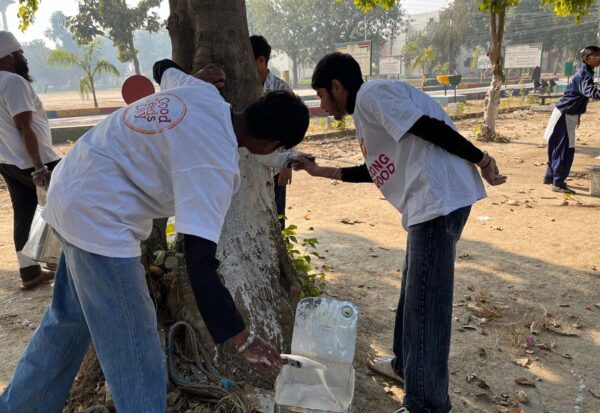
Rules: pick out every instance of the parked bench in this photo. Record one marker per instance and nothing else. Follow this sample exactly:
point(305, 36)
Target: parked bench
point(543, 97)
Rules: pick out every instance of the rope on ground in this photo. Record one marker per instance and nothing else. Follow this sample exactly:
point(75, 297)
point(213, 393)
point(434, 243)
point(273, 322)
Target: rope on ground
point(212, 393)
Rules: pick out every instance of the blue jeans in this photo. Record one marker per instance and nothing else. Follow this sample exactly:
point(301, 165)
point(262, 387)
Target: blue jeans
point(104, 300)
point(424, 315)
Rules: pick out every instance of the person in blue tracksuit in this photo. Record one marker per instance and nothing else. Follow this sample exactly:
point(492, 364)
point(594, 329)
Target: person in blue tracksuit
point(560, 132)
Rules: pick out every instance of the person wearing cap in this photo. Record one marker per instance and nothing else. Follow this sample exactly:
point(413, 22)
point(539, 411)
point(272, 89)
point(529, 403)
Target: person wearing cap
point(565, 119)
point(26, 154)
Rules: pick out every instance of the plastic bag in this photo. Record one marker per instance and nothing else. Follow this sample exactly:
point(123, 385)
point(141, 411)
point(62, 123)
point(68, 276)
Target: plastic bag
point(42, 245)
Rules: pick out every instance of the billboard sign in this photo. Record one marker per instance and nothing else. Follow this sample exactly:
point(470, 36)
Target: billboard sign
point(389, 65)
point(360, 51)
point(483, 62)
point(523, 56)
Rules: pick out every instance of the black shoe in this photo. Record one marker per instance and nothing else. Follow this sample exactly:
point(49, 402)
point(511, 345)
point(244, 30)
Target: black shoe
point(548, 181)
point(563, 188)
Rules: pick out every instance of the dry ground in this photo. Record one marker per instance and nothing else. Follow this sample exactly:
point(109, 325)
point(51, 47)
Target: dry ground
point(525, 256)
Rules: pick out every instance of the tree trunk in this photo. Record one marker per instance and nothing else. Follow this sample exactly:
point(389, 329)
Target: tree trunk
point(136, 64)
point(93, 91)
point(492, 98)
point(295, 70)
point(254, 264)
point(134, 56)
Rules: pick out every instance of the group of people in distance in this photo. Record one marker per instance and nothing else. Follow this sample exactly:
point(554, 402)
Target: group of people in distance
point(134, 167)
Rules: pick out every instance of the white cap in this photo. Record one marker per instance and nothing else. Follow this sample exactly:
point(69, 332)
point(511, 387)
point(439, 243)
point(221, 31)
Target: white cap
point(8, 44)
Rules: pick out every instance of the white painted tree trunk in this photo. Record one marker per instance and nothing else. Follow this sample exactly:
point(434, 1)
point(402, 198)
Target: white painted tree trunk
point(254, 263)
point(492, 99)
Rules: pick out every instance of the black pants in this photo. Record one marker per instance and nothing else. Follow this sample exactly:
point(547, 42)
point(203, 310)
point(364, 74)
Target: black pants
point(24, 201)
point(280, 201)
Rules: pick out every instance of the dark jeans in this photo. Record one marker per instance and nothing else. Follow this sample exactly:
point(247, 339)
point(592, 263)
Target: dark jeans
point(560, 156)
point(280, 200)
point(24, 202)
point(424, 315)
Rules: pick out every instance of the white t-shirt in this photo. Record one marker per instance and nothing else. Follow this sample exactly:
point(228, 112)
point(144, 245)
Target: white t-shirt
point(422, 180)
point(17, 96)
point(173, 153)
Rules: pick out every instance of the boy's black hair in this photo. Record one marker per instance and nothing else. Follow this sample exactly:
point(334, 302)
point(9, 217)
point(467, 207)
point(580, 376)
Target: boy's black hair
point(278, 116)
point(260, 47)
point(588, 51)
point(338, 66)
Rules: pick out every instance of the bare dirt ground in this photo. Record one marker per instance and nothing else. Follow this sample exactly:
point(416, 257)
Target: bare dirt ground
point(527, 255)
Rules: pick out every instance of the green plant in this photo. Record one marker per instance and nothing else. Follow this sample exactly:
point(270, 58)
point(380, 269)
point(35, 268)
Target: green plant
point(340, 124)
point(460, 108)
point(90, 62)
point(302, 261)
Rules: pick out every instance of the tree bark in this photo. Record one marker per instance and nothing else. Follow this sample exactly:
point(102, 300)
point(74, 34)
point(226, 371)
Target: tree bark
point(93, 91)
point(295, 70)
point(492, 98)
point(134, 54)
point(252, 260)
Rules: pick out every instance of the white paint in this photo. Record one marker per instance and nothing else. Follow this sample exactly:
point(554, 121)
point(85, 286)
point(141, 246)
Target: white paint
point(248, 252)
point(580, 392)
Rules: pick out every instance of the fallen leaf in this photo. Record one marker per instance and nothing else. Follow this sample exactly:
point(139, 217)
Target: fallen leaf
point(560, 332)
point(524, 382)
point(534, 328)
point(472, 378)
point(595, 394)
point(522, 397)
point(567, 356)
point(512, 202)
point(523, 362)
point(483, 310)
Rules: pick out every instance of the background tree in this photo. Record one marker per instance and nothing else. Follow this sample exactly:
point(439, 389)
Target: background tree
point(90, 61)
point(59, 34)
point(154, 46)
point(298, 27)
point(419, 57)
point(117, 21)
point(497, 10)
point(287, 24)
point(450, 31)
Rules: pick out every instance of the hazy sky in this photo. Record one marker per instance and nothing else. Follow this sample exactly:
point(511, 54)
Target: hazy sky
point(69, 7)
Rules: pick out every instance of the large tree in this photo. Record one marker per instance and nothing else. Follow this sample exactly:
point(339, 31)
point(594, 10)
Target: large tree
point(117, 21)
point(451, 29)
point(306, 30)
point(497, 10)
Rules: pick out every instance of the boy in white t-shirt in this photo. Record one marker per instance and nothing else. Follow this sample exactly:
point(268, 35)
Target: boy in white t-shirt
point(426, 170)
point(174, 153)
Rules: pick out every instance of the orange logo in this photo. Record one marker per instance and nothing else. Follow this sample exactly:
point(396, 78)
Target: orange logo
point(155, 114)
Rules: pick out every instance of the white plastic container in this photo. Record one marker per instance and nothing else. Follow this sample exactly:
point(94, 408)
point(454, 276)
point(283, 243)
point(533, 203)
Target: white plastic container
point(324, 331)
